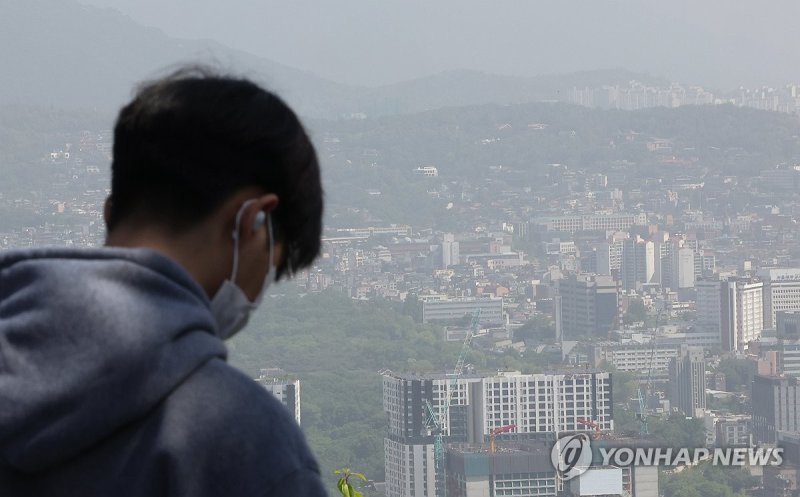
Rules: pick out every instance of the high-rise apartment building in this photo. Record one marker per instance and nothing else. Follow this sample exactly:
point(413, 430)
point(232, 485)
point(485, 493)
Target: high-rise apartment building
point(687, 378)
point(450, 251)
point(742, 313)
point(638, 263)
point(284, 387)
point(589, 305)
point(708, 304)
point(750, 318)
point(684, 268)
point(537, 404)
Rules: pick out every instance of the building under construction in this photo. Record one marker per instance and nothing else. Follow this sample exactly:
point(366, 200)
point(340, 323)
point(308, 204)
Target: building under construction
point(473, 408)
point(523, 468)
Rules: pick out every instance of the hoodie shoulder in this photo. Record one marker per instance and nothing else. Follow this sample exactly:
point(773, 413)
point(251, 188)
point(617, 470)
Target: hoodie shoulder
point(26, 262)
point(226, 433)
point(90, 341)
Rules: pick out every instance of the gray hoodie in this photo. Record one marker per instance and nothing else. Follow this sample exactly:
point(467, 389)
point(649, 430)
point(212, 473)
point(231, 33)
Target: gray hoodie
point(113, 383)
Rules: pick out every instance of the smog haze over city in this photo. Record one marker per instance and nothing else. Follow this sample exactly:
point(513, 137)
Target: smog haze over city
point(541, 219)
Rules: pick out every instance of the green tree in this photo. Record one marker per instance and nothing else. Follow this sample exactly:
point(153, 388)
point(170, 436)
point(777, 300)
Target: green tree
point(624, 385)
point(539, 327)
point(677, 431)
point(738, 374)
point(636, 312)
point(707, 480)
point(412, 307)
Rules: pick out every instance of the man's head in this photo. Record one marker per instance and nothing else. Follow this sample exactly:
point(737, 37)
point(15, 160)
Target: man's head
point(190, 148)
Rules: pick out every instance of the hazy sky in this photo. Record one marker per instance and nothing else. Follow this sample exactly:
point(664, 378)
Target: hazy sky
point(719, 43)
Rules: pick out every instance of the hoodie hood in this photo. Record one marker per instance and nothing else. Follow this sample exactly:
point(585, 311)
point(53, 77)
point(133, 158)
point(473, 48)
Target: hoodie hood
point(91, 340)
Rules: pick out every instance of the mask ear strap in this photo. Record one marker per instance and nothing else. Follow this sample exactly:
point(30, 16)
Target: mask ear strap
point(271, 242)
point(235, 236)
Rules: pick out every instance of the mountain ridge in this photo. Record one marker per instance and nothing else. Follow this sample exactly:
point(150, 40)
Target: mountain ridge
point(70, 55)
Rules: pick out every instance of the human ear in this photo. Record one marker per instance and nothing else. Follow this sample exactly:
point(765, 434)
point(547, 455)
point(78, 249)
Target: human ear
point(107, 209)
point(254, 214)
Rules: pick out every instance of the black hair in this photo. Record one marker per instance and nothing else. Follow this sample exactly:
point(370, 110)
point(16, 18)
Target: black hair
point(189, 141)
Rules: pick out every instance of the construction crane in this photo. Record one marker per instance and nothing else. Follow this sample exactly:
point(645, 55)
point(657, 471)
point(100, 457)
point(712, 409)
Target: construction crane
point(432, 422)
point(438, 424)
point(591, 424)
point(644, 397)
point(496, 431)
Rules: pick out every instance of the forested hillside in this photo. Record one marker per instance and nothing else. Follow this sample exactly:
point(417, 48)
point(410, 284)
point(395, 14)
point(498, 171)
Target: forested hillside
point(336, 347)
point(483, 151)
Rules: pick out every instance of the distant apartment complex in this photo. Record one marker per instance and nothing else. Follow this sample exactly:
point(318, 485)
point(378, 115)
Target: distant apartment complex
point(637, 95)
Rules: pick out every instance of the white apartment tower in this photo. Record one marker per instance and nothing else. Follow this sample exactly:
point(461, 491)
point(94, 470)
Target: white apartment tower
point(450, 251)
point(535, 403)
point(684, 268)
point(538, 403)
point(750, 318)
point(284, 387)
point(742, 313)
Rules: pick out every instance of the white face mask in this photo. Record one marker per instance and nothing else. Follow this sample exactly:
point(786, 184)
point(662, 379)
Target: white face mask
point(230, 306)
